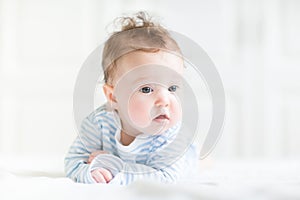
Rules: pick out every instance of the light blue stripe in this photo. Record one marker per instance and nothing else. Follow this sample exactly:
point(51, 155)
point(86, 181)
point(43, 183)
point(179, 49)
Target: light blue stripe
point(77, 149)
point(94, 135)
point(146, 144)
point(110, 129)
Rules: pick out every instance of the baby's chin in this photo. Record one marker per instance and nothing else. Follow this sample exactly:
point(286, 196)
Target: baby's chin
point(158, 127)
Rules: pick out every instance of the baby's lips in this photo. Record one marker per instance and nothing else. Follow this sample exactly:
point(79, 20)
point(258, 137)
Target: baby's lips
point(163, 116)
point(160, 111)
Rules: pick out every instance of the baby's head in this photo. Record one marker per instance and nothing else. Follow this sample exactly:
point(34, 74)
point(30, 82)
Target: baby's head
point(142, 67)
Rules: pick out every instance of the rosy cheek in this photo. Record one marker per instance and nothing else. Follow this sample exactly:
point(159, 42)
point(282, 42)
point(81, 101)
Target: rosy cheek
point(138, 111)
point(176, 111)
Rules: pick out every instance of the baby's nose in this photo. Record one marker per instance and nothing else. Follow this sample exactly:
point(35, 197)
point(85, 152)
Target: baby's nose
point(162, 98)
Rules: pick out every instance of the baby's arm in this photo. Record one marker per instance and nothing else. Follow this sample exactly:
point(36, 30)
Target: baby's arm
point(76, 161)
point(94, 154)
point(125, 173)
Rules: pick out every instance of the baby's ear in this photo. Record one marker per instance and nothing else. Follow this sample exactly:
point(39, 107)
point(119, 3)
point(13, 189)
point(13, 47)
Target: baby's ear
point(109, 93)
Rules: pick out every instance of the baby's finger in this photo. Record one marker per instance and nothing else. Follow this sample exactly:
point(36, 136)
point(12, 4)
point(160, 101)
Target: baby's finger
point(97, 175)
point(95, 153)
point(106, 174)
point(91, 158)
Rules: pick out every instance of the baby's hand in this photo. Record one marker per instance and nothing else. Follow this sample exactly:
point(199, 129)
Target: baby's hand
point(101, 175)
point(94, 154)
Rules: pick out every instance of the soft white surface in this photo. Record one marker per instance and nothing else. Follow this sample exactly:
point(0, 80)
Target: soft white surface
point(43, 179)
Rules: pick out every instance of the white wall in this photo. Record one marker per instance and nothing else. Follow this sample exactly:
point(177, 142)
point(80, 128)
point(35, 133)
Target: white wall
point(255, 45)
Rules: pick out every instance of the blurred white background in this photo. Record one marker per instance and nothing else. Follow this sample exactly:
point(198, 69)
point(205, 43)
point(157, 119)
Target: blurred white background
point(255, 45)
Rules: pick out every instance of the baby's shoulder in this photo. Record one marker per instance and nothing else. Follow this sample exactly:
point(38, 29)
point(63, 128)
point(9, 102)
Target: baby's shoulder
point(101, 114)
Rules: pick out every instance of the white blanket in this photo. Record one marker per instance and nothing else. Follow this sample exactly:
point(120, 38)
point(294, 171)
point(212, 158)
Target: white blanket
point(215, 180)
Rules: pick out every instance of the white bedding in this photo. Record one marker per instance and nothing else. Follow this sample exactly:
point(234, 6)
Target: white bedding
point(216, 180)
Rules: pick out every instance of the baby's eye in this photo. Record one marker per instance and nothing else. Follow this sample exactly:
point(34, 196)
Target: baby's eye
point(173, 88)
point(146, 90)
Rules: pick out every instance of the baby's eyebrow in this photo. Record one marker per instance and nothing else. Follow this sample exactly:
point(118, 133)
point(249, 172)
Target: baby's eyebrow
point(144, 81)
point(144, 78)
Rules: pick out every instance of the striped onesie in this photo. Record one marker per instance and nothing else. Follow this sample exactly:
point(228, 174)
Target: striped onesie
point(147, 157)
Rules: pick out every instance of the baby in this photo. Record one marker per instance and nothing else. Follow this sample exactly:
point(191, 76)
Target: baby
point(130, 137)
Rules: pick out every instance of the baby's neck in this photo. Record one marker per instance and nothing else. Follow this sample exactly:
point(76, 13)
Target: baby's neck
point(126, 139)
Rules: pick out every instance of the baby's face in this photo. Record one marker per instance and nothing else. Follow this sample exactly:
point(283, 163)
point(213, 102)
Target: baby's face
point(146, 91)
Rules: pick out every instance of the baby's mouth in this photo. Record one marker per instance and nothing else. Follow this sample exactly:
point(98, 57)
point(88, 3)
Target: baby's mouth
point(162, 118)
